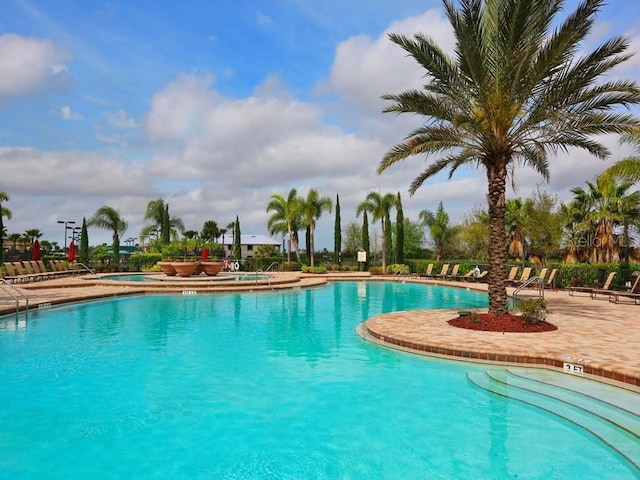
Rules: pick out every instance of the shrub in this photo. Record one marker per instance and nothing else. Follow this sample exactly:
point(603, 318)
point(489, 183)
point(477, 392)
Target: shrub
point(398, 268)
point(533, 310)
point(375, 270)
point(320, 269)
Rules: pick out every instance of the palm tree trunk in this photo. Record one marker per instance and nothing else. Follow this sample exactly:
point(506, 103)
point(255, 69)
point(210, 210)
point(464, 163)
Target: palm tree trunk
point(311, 244)
point(497, 175)
point(384, 247)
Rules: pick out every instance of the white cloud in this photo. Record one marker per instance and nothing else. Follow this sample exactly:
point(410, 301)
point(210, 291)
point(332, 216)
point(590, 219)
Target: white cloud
point(68, 114)
point(121, 119)
point(29, 64)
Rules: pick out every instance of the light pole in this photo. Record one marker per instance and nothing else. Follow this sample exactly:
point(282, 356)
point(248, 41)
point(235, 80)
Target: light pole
point(66, 226)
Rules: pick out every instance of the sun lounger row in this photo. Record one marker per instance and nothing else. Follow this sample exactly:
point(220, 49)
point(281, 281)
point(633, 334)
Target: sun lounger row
point(33, 271)
point(614, 296)
point(452, 273)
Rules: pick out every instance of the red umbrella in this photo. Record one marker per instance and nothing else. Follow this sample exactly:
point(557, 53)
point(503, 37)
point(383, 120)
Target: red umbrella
point(71, 255)
point(204, 254)
point(35, 250)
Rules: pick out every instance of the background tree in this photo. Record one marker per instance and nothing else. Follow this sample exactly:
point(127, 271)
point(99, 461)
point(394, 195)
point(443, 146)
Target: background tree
point(353, 238)
point(378, 206)
point(628, 168)
point(108, 218)
point(311, 210)
point(4, 213)
point(210, 231)
point(366, 246)
point(84, 243)
point(413, 239)
point(515, 213)
point(190, 234)
point(32, 233)
point(286, 219)
point(165, 231)
point(161, 222)
point(237, 242)
point(514, 90)
point(474, 234)
point(399, 231)
point(442, 234)
point(543, 225)
point(337, 234)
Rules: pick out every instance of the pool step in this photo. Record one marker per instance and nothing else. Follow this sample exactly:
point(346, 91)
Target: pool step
point(616, 427)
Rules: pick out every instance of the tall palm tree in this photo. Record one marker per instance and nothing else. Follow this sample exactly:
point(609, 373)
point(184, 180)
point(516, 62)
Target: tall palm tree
point(157, 213)
point(514, 91)
point(286, 219)
point(4, 212)
point(441, 232)
point(312, 208)
point(108, 218)
point(32, 234)
point(379, 206)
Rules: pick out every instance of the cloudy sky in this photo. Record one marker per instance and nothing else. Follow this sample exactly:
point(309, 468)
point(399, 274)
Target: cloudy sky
point(216, 105)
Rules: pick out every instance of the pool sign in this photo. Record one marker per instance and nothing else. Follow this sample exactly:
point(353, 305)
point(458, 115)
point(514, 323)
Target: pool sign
point(573, 368)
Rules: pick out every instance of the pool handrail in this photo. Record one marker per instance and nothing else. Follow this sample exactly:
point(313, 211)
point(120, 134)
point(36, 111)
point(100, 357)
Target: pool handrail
point(14, 293)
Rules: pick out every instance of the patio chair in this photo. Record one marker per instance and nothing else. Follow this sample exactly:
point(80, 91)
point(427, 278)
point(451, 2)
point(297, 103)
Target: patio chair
point(551, 279)
point(454, 272)
point(524, 276)
point(429, 271)
point(593, 291)
point(466, 277)
point(633, 294)
point(512, 274)
point(443, 272)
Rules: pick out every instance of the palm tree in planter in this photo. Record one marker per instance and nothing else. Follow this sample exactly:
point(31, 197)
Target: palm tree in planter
point(514, 91)
point(108, 218)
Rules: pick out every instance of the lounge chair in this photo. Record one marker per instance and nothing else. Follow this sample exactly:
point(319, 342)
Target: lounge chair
point(632, 295)
point(466, 277)
point(443, 272)
point(512, 274)
point(429, 271)
point(454, 272)
point(526, 273)
point(551, 279)
point(23, 274)
point(593, 291)
point(12, 274)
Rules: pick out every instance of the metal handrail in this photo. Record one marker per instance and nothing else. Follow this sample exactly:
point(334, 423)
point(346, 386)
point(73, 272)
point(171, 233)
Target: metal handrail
point(526, 284)
point(273, 264)
point(12, 291)
point(87, 269)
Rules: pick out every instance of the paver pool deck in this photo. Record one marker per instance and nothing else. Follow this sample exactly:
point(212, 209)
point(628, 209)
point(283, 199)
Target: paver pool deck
point(601, 337)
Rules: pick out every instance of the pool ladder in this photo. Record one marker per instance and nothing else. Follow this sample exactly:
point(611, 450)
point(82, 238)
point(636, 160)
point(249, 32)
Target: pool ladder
point(15, 293)
point(525, 285)
point(269, 268)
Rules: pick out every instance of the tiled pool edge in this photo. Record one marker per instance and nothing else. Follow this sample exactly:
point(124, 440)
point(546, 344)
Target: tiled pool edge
point(592, 370)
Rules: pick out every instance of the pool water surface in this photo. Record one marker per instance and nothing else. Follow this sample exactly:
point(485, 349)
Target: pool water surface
point(260, 386)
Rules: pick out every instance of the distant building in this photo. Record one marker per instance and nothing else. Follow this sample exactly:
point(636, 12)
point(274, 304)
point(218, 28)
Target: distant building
point(248, 244)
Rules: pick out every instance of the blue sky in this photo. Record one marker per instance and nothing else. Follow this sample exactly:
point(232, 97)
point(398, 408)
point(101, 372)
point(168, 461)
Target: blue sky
point(216, 105)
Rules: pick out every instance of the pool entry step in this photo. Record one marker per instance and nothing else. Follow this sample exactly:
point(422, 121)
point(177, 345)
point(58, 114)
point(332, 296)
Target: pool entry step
point(609, 413)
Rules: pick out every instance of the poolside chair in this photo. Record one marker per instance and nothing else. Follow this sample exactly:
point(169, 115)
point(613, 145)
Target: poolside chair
point(512, 274)
point(633, 294)
point(467, 276)
point(593, 291)
point(524, 276)
point(443, 272)
point(429, 271)
point(551, 279)
point(454, 272)
point(12, 274)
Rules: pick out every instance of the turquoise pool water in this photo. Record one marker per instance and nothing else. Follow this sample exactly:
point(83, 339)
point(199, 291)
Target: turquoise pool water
point(263, 386)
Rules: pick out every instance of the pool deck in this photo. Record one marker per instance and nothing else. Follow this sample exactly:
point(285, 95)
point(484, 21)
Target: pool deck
point(601, 338)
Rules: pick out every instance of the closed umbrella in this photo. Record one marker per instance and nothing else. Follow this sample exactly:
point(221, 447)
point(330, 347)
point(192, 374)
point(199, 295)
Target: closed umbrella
point(204, 255)
point(35, 250)
point(71, 255)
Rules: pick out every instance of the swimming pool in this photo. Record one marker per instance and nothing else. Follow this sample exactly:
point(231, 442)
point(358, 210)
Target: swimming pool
point(263, 385)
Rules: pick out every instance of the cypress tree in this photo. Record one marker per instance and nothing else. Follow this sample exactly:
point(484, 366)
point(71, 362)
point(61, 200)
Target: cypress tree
point(237, 251)
point(365, 238)
point(399, 231)
point(165, 230)
point(337, 234)
point(84, 243)
point(388, 235)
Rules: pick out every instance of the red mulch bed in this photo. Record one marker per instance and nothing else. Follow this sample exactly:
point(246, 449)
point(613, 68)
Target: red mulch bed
point(504, 323)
